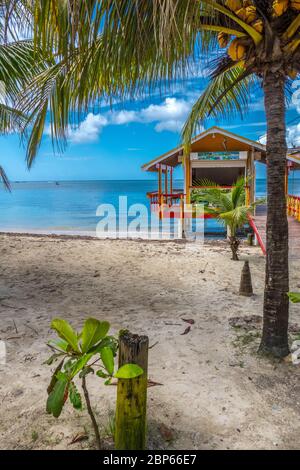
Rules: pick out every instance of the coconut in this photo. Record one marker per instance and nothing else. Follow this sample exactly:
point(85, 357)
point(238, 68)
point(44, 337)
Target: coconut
point(241, 13)
point(234, 5)
point(250, 14)
point(258, 25)
point(295, 4)
point(280, 7)
point(236, 50)
point(292, 74)
point(223, 39)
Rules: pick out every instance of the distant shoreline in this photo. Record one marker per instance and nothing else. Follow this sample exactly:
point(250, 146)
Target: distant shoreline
point(106, 180)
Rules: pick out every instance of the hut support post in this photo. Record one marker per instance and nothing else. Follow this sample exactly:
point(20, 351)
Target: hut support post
point(166, 183)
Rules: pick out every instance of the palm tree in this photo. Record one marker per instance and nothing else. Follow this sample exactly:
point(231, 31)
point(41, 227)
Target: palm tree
point(121, 48)
point(264, 49)
point(19, 62)
point(228, 206)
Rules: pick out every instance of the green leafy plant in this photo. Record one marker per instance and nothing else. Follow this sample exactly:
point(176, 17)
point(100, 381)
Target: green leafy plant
point(228, 206)
point(294, 297)
point(92, 351)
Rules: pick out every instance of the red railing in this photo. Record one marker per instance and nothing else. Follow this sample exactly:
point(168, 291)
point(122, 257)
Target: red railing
point(257, 234)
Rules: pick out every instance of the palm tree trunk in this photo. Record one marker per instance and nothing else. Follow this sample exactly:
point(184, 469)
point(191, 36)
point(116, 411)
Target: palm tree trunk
point(234, 245)
point(276, 304)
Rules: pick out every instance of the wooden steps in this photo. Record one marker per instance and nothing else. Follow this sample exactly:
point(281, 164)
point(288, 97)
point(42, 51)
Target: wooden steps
point(260, 220)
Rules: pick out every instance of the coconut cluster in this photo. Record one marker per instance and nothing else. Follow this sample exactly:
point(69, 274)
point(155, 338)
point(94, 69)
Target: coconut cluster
point(246, 11)
point(281, 6)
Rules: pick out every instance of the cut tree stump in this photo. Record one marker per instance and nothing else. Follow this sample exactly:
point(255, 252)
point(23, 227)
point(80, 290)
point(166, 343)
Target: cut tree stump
point(246, 281)
point(130, 429)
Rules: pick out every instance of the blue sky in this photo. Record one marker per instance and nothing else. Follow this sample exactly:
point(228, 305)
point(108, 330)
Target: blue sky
point(113, 144)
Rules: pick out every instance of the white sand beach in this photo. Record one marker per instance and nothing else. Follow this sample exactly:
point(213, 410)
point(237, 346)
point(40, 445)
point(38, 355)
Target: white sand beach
point(216, 393)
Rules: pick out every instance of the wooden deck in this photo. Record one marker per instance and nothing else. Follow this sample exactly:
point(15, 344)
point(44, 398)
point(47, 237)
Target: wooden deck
point(294, 230)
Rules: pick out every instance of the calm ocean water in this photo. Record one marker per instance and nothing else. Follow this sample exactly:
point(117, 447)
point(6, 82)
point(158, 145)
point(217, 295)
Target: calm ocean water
point(71, 206)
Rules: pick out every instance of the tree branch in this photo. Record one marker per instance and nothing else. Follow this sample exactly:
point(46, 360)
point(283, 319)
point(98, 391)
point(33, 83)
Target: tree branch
point(90, 412)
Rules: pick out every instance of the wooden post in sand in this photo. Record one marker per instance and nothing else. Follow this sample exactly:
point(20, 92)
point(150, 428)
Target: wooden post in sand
point(130, 430)
point(246, 281)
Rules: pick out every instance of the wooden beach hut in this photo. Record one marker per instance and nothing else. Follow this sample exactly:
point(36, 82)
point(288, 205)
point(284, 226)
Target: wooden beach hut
point(216, 155)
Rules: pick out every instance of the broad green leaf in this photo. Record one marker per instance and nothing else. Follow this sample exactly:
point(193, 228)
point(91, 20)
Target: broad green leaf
point(75, 397)
point(294, 297)
point(129, 371)
point(107, 358)
point(80, 364)
point(59, 344)
point(92, 332)
point(66, 332)
point(57, 398)
point(110, 342)
point(62, 376)
point(54, 377)
point(102, 374)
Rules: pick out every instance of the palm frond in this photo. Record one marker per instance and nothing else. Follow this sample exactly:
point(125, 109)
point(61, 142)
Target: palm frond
point(293, 28)
point(227, 94)
point(236, 218)
point(16, 16)
point(238, 193)
point(4, 179)
point(229, 207)
point(19, 61)
point(205, 182)
point(11, 120)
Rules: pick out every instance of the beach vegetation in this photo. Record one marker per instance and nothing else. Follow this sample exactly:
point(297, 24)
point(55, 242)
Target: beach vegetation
point(228, 206)
point(79, 355)
point(34, 436)
point(294, 297)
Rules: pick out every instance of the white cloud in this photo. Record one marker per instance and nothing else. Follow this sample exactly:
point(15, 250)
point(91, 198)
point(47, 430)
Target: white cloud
point(247, 124)
point(293, 136)
point(295, 102)
point(123, 117)
point(263, 139)
point(89, 129)
point(170, 115)
point(170, 109)
point(292, 139)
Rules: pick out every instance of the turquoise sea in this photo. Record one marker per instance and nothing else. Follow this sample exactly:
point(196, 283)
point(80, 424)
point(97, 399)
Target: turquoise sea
point(70, 206)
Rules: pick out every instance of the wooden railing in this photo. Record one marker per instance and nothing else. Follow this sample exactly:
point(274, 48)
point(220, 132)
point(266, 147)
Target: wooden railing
point(293, 206)
point(169, 199)
point(167, 205)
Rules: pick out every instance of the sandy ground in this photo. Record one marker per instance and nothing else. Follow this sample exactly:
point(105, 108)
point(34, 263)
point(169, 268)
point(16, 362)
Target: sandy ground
point(216, 393)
